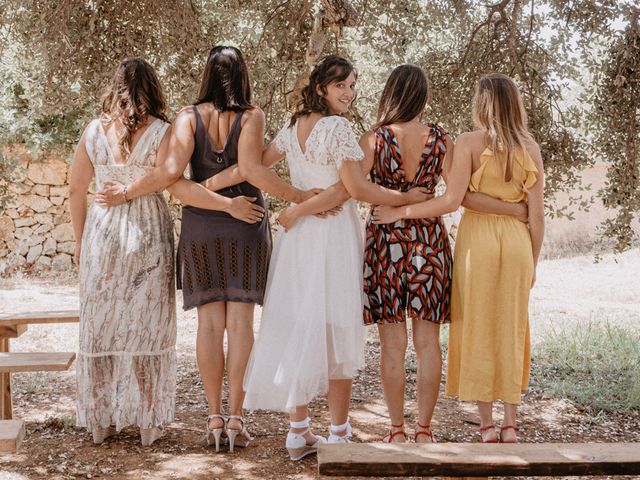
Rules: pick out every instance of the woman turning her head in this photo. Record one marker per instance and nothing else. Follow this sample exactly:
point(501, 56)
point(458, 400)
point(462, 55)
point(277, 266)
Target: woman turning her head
point(311, 336)
point(495, 255)
point(126, 367)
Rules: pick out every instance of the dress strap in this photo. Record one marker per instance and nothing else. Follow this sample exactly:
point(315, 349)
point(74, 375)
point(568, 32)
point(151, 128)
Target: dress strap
point(236, 126)
point(200, 128)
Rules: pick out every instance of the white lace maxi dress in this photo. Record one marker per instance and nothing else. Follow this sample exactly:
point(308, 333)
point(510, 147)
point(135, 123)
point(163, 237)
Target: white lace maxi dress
point(126, 366)
point(311, 328)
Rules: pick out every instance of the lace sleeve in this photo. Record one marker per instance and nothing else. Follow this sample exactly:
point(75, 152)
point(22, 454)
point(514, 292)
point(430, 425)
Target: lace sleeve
point(343, 144)
point(281, 140)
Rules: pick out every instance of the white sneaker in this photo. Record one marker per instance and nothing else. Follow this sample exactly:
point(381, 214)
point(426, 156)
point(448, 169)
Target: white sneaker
point(297, 445)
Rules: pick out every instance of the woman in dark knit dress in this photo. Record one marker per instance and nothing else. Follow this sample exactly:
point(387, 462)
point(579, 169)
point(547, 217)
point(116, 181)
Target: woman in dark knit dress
point(222, 261)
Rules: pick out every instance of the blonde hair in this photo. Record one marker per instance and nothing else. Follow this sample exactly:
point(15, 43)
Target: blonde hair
point(498, 108)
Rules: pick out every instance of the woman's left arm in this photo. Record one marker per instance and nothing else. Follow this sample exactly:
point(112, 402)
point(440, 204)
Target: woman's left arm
point(536, 208)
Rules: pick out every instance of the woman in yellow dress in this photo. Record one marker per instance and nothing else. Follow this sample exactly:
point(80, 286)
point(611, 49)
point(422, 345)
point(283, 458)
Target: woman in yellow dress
point(495, 255)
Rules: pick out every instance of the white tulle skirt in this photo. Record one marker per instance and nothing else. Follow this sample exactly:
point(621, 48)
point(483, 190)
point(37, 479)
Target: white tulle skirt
point(311, 329)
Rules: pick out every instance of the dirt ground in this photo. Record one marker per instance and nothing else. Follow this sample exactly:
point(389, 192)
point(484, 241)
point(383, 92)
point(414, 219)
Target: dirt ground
point(568, 290)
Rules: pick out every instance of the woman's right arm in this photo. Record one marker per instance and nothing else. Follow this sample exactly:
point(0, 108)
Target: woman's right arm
point(353, 176)
point(79, 180)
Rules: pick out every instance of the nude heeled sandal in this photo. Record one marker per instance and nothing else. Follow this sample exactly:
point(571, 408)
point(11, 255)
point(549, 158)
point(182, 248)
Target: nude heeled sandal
point(213, 435)
point(100, 434)
point(240, 438)
point(150, 435)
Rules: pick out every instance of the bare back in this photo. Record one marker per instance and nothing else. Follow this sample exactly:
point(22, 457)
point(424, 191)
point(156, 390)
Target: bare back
point(411, 138)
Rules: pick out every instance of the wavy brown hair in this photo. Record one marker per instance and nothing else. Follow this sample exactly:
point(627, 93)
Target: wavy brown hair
point(498, 108)
point(225, 81)
point(404, 95)
point(332, 68)
point(135, 93)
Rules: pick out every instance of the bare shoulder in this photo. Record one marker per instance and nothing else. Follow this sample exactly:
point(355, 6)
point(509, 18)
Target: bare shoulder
point(471, 140)
point(533, 149)
point(186, 114)
point(367, 139)
point(253, 115)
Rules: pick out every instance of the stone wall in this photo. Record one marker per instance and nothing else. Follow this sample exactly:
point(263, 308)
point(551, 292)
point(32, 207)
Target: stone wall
point(35, 226)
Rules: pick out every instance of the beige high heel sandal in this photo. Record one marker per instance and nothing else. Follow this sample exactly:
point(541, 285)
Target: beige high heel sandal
point(100, 434)
point(240, 438)
point(150, 435)
point(213, 435)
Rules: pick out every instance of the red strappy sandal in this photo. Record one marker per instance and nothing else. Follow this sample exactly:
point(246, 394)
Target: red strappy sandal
point(388, 438)
point(485, 429)
point(509, 427)
point(426, 430)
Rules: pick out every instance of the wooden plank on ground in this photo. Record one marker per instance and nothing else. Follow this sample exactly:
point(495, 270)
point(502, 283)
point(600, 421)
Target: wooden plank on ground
point(479, 460)
point(11, 435)
point(35, 361)
point(24, 318)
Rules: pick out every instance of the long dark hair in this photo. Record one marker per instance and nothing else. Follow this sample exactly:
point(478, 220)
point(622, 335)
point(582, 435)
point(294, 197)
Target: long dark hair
point(134, 94)
point(404, 96)
point(225, 81)
point(332, 68)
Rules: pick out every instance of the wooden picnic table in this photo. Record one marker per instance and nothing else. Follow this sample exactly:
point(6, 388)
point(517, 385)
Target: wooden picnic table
point(12, 325)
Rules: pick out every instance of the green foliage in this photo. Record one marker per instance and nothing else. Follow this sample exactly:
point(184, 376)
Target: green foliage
point(617, 132)
point(594, 365)
point(57, 57)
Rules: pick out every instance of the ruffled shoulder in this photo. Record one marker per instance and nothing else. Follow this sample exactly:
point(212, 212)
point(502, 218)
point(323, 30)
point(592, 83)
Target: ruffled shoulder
point(474, 183)
point(530, 169)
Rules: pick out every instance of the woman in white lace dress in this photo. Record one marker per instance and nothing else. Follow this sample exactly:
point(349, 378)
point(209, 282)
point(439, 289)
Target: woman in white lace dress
point(311, 338)
point(126, 367)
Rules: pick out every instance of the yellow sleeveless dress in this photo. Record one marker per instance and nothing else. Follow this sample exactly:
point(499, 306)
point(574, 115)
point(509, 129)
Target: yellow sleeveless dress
point(489, 356)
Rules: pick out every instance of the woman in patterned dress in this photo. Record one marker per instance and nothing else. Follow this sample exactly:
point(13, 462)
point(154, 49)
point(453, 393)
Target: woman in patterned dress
point(126, 367)
point(407, 269)
point(311, 335)
point(495, 256)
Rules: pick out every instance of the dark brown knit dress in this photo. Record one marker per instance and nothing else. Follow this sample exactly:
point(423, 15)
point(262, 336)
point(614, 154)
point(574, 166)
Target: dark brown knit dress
point(221, 258)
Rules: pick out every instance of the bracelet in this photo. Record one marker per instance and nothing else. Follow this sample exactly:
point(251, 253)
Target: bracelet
point(124, 194)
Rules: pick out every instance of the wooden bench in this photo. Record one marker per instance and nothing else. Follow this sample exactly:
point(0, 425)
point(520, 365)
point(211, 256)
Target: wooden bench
point(12, 325)
point(479, 460)
point(11, 435)
point(11, 362)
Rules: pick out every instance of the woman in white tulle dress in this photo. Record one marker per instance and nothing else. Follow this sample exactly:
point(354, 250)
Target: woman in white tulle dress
point(311, 338)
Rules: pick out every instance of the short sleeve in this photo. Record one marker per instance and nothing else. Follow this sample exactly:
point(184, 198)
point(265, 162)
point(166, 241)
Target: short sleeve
point(281, 141)
point(343, 144)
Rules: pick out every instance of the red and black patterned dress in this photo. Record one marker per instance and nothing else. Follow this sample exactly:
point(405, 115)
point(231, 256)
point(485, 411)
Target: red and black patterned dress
point(407, 264)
